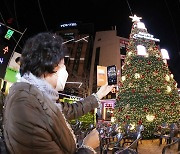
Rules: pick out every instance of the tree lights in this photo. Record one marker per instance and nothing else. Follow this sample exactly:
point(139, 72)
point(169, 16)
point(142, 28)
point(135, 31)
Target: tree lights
point(148, 93)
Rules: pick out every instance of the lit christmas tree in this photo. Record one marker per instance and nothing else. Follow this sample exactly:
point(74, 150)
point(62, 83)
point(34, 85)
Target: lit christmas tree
point(148, 93)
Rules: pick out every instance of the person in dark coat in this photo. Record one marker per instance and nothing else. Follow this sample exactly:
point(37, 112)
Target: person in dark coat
point(34, 119)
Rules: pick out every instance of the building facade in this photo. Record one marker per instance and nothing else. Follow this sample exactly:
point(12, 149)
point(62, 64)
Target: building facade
point(78, 38)
point(109, 49)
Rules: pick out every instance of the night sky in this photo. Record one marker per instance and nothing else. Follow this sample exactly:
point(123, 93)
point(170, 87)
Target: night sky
point(161, 18)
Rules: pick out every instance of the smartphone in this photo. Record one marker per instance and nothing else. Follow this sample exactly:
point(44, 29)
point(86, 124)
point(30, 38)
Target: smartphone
point(111, 75)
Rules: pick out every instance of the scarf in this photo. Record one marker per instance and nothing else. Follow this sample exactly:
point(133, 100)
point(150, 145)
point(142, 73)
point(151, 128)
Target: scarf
point(42, 85)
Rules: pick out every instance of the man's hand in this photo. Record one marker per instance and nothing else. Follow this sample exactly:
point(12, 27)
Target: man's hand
point(104, 90)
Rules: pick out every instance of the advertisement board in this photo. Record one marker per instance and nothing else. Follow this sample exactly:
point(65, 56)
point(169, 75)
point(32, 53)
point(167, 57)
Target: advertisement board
point(101, 75)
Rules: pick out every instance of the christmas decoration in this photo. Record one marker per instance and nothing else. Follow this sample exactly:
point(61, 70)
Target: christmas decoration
point(149, 94)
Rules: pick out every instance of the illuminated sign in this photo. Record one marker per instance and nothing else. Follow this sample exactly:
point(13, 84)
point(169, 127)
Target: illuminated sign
point(73, 24)
point(6, 47)
point(108, 105)
point(1, 60)
point(11, 75)
point(5, 54)
point(9, 34)
point(145, 36)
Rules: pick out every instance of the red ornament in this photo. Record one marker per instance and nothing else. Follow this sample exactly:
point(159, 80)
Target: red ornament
point(158, 90)
point(120, 84)
point(133, 90)
point(159, 127)
point(127, 117)
point(145, 97)
point(165, 82)
point(139, 122)
point(149, 62)
point(108, 124)
point(120, 109)
point(118, 98)
point(124, 122)
point(162, 109)
point(158, 78)
point(145, 109)
point(173, 103)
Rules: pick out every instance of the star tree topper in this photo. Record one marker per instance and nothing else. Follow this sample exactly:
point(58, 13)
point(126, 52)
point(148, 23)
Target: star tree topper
point(135, 18)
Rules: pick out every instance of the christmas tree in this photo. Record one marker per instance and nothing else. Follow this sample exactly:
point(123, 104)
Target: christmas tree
point(148, 93)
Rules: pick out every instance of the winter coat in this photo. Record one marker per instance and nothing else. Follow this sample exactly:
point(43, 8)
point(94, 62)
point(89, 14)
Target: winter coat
point(33, 124)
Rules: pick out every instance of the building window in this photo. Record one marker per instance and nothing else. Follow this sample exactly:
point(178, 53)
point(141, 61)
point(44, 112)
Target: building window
point(122, 50)
point(77, 57)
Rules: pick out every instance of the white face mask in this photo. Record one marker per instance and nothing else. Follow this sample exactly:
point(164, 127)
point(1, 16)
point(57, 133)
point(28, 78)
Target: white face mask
point(62, 78)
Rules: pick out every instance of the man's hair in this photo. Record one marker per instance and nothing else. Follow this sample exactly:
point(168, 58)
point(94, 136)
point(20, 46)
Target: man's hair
point(42, 53)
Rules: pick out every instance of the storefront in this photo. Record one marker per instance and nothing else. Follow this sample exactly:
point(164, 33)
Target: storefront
point(105, 111)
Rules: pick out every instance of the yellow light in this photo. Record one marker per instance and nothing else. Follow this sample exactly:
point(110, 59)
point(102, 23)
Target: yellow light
point(135, 18)
point(172, 76)
point(168, 89)
point(165, 61)
point(176, 85)
point(123, 78)
point(129, 53)
point(137, 75)
point(147, 55)
point(122, 67)
point(132, 126)
point(150, 118)
point(167, 77)
point(113, 119)
point(118, 129)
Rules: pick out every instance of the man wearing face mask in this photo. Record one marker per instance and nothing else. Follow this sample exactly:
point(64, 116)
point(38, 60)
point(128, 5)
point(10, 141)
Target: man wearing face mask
point(33, 120)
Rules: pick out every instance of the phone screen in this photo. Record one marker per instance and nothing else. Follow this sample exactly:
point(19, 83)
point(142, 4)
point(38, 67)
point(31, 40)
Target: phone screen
point(112, 75)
